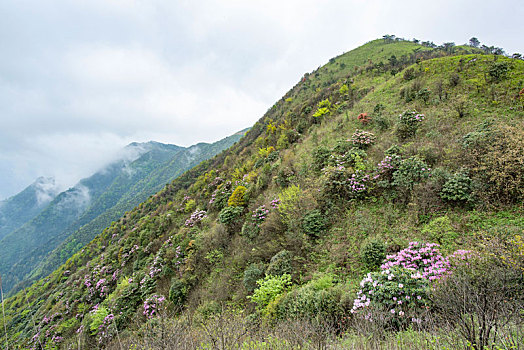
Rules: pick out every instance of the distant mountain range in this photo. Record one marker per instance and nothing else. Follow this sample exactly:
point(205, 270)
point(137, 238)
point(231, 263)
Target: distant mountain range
point(24, 206)
point(41, 228)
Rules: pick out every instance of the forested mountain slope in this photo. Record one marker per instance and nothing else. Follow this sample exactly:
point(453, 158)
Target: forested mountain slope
point(22, 207)
point(392, 148)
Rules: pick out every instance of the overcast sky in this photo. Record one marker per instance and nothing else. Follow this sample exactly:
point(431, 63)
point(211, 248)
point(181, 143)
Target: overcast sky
point(81, 79)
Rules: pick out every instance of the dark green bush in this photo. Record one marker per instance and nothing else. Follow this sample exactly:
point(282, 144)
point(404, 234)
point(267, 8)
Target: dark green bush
point(393, 150)
point(372, 254)
point(228, 215)
point(408, 124)
point(252, 274)
point(313, 223)
point(498, 71)
point(409, 74)
point(410, 172)
point(458, 188)
point(177, 292)
point(280, 264)
point(320, 157)
point(250, 230)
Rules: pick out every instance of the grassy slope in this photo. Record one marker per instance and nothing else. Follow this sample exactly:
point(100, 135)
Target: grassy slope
point(216, 260)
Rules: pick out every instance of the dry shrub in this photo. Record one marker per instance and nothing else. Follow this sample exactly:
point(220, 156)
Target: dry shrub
point(483, 299)
point(499, 162)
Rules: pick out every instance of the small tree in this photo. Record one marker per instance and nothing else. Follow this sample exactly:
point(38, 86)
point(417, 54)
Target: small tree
point(474, 42)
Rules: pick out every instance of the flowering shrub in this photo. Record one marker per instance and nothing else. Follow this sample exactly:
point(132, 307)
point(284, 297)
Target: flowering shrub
point(401, 287)
point(259, 215)
point(362, 138)
point(411, 117)
point(400, 292)
point(359, 184)
point(425, 258)
point(408, 124)
point(220, 195)
point(152, 305)
point(196, 217)
point(364, 118)
point(275, 203)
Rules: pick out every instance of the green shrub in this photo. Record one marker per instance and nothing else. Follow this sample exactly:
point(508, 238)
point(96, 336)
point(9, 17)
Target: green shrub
point(237, 198)
point(190, 205)
point(97, 319)
point(324, 108)
point(228, 215)
point(280, 264)
point(318, 298)
point(440, 230)
point(410, 172)
point(177, 292)
point(269, 289)
point(498, 71)
point(252, 274)
point(250, 230)
point(372, 254)
point(313, 223)
point(393, 150)
point(382, 123)
point(289, 198)
point(408, 124)
point(458, 189)
point(320, 157)
point(409, 74)
point(424, 94)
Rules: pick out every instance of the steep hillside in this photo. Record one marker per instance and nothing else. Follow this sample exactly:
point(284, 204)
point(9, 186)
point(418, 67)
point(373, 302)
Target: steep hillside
point(385, 146)
point(22, 207)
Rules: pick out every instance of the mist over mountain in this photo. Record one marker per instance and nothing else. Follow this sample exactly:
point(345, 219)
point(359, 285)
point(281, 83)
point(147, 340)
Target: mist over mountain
point(75, 216)
point(22, 207)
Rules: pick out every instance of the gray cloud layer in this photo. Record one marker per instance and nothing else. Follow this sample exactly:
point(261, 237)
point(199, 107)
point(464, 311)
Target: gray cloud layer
point(80, 79)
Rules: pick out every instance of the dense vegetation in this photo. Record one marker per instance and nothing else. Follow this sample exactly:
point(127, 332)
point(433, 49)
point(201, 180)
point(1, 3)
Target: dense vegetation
point(378, 203)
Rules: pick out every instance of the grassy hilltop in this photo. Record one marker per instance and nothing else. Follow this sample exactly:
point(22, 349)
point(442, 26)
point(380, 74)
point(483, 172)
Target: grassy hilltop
point(382, 186)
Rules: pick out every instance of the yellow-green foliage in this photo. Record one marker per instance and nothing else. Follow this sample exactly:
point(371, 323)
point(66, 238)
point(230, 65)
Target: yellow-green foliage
point(265, 151)
point(237, 198)
point(324, 108)
point(343, 89)
point(289, 197)
point(190, 205)
point(440, 231)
